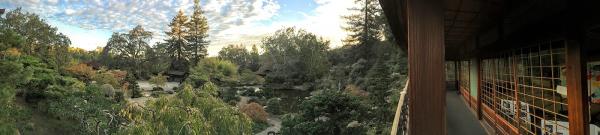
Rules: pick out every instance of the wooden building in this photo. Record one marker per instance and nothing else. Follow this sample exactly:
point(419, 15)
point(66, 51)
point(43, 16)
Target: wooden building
point(525, 66)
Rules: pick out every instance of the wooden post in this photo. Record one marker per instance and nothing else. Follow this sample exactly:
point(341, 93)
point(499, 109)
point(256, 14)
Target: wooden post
point(577, 92)
point(427, 87)
point(456, 76)
point(479, 94)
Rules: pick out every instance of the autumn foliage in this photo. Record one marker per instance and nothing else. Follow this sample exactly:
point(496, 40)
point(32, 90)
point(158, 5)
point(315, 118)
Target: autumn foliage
point(255, 111)
point(82, 71)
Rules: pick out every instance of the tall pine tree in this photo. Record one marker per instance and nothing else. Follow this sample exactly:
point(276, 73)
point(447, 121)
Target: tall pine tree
point(177, 42)
point(364, 27)
point(198, 34)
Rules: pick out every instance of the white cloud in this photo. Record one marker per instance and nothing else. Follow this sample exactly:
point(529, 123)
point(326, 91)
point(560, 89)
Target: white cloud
point(231, 21)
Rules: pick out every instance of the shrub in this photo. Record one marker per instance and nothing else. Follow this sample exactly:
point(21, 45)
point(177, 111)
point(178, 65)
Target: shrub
point(82, 71)
point(108, 90)
point(274, 106)
point(255, 111)
point(213, 70)
point(356, 91)
point(133, 86)
point(157, 89)
point(106, 78)
point(159, 80)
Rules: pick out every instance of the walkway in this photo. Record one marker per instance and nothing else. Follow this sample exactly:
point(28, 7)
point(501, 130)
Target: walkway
point(459, 119)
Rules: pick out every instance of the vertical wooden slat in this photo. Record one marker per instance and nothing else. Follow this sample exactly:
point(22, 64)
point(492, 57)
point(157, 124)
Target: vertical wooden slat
point(427, 94)
point(514, 68)
point(577, 90)
point(479, 94)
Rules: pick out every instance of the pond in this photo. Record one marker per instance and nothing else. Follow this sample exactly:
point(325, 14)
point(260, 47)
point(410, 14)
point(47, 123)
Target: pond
point(290, 98)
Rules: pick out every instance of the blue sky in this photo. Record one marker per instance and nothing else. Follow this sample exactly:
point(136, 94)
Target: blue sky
point(89, 23)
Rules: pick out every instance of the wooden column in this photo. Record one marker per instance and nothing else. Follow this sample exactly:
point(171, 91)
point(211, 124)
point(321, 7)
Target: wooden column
point(479, 94)
point(577, 92)
point(456, 76)
point(427, 90)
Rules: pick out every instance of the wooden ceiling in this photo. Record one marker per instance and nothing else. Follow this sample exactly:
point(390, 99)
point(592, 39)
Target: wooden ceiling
point(463, 19)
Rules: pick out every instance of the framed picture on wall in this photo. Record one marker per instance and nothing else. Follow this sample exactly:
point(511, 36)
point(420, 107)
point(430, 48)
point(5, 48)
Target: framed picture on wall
point(593, 77)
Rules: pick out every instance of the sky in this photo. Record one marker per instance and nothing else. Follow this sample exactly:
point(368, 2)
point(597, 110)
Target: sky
point(89, 23)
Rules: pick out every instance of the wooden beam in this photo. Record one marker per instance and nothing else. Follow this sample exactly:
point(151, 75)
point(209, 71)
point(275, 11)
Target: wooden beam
point(394, 10)
point(427, 87)
point(577, 91)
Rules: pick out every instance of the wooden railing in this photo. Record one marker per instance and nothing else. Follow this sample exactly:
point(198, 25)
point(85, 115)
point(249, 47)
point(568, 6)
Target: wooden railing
point(400, 125)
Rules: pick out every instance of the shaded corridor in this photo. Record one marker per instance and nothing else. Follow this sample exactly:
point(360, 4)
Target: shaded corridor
point(459, 119)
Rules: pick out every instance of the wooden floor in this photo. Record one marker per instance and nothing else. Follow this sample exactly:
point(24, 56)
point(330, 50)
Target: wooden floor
point(459, 119)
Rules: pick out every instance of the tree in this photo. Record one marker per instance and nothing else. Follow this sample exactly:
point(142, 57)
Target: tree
point(365, 27)
point(295, 56)
point(378, 85)
point(254, 64)
point(177, 42)
point(133, 86)
point(236, 54)
point(159, 80)
point(39, 38)
point(197, 34)
point(158, 58)
point(10, 39)
point(130, 49)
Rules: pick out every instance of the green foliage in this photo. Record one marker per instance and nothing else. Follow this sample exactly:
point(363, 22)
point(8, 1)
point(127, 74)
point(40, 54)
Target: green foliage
point(129, 50)
point(94, 112)
point(249, 77)
point(210, 89)
point(13, 73)
point(106, 78)
point(187, 39)
point(328, 112)
point(10, 39)
point(213, 70)
point(133, 86)
point(197, 34)
point(274, 106)
point(239, 55)
point(259, 126)
point(159, 80)
point(191, 112)
point(295, 56)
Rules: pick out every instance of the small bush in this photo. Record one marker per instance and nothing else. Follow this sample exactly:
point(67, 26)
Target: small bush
point(255, 111)
point(274, 106)
point(157, 89)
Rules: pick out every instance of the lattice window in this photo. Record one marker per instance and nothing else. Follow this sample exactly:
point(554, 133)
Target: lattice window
point(487, 93)
point(464, 75)
point(542, 89)
point(504, 83)
point(540, 104)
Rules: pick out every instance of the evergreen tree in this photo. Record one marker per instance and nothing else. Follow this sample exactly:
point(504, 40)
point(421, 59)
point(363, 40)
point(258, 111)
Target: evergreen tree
point(254, 59)
point(365, 27)
point(133, 86)
point(177, 42)
point(198, 34)
point(378, 86)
